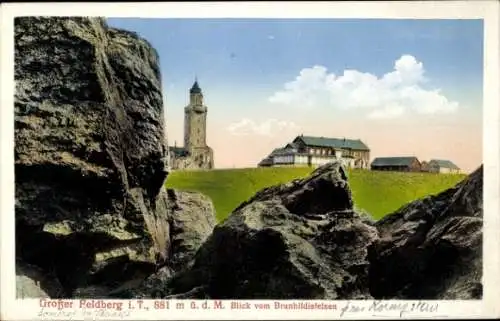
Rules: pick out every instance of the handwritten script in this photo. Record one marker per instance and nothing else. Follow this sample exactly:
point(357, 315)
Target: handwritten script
point(388, 308)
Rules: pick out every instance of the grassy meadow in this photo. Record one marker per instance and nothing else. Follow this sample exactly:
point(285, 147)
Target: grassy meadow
point(378, 193)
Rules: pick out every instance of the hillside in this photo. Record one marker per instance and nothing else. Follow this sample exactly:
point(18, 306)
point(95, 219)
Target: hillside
point(378, 193)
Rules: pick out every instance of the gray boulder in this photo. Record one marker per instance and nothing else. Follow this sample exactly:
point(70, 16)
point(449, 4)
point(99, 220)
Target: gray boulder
point(298, 240)
point(432, 248)
point(192, 220)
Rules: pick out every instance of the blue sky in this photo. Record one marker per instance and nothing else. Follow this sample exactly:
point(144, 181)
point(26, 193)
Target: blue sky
point(265, 52)
point(242, 63)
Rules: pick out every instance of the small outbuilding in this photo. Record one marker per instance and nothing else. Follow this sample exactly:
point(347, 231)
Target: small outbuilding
point(398, 164)
point(442, 166)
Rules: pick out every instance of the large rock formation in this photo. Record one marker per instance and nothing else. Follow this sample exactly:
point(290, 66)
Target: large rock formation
point(303, 240)
point(299, 240)
point(90, 156)
point(432, 248)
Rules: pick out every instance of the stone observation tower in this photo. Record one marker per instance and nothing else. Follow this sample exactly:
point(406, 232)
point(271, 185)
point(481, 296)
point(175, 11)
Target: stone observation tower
point(195, 119)
point(195, 153)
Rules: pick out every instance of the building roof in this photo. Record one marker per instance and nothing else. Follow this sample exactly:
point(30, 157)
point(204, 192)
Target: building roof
point(344, 143)
point(266, 161)
point(292, 145)
point(393, 161)
point(443, 163)
point(178, 151)
point(195, 89)
point(283, 151)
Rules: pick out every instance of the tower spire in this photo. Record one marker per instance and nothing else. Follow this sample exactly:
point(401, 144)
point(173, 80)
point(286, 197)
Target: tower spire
point(195, 89)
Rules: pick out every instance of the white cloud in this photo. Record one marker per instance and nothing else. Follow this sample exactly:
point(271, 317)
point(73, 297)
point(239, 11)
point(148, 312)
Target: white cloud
point(270, 37)
point(394, 94)
point(266, 128)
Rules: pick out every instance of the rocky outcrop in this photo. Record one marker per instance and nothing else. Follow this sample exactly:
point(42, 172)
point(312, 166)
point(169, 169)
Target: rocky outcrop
point(303, 240)
point(299, 240)
point(90, 156)
point(432, 248)
point(192, 221)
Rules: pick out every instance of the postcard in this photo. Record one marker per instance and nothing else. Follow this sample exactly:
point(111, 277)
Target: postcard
point(267, 160)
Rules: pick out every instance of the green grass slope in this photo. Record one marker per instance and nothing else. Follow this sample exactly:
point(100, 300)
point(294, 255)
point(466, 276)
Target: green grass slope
point(378, 193)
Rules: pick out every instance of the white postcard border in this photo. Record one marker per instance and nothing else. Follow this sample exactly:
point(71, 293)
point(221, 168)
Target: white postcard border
point(12, 309)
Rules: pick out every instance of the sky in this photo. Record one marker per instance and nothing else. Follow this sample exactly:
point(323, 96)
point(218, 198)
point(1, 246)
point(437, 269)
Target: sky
point(404, 87)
